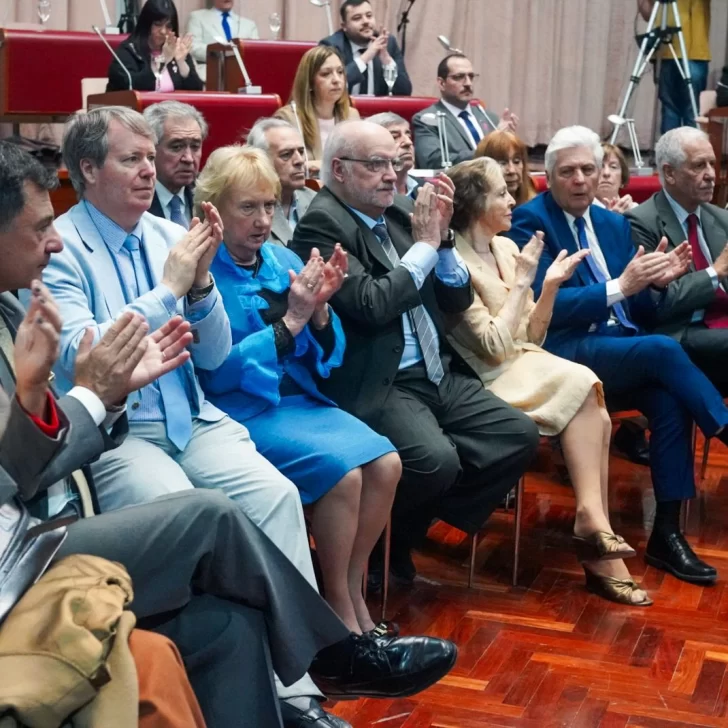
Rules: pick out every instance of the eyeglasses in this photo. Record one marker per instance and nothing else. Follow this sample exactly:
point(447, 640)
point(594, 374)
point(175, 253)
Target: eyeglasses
point(377, 166)
point(460, 77)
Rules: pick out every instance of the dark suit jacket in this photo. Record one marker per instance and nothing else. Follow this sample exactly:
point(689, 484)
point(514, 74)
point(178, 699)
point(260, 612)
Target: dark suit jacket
point(372, 300)
point(427, 143)
point(693, 291)
point(402, 86)
point(580, 302)
point(156, 207)
point(142, 75)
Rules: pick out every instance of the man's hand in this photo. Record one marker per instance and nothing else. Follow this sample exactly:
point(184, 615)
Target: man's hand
point(508, 121)
point(202, 274)
point(721, 263)
point(680, 259)
point(426, 217)
point(376, 46)
point(305, 289)
point(644, 269)
point(445, 195)
point(36, 350)
point(106, 368)
point(384, 55)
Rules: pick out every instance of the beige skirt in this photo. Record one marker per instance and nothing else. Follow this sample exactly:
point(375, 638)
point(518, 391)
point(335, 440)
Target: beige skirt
point(549, 389)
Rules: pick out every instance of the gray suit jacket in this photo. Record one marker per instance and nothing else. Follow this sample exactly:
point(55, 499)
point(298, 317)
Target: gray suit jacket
point(32, 461)
point(694, 291)
point(427, 145)
point(280, 232)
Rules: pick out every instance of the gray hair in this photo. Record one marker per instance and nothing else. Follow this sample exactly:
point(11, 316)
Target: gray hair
point(387, 119)
point(256, 136)
point(86, 136)
point(670, 147)
point(570, 137)
point(338, 144)
point(157, 115)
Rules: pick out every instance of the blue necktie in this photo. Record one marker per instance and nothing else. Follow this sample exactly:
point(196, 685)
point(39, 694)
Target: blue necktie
point(465, 116)
point(177, 413)
point(226, 25)
point(176, 214)
point(598, 274)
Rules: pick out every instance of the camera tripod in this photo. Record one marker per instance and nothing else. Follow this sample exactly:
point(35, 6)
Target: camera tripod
point(654, 37)
point(127, 21)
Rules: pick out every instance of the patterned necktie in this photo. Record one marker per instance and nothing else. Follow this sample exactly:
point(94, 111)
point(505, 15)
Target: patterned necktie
point(465, 116)
point(598, 274)
point(716, 314)
point(418, 317)
point(177, 413)
point(226, 25)
point(176, 213)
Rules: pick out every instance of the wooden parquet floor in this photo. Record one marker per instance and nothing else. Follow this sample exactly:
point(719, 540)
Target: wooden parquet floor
point(547, 653)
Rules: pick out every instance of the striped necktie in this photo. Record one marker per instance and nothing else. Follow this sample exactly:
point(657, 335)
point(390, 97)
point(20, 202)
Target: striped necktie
point(421, 323)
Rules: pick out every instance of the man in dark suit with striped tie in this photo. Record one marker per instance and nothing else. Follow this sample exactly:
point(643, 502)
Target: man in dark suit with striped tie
point(180, 129)
point(462, 448)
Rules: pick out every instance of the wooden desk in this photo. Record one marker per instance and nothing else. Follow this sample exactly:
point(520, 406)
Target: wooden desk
point(41, 72)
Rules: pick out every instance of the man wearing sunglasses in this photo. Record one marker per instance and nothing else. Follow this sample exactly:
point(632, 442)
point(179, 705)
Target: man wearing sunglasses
point(466, 124)
point(462, 449)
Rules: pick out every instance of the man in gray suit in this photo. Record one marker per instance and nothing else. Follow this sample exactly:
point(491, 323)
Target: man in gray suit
point(466, 124)
point(202, 572)
point(284, 145)
point(695, 308)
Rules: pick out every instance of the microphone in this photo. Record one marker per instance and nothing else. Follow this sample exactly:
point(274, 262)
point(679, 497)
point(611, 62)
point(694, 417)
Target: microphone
point(438, 119)
point(113, 53)
point(248, 88)
point(325, 4)
point(109, 29)
point(487, 118)
point(445, 43)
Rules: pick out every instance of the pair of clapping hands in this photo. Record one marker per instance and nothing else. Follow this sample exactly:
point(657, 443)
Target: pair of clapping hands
point(176, 49)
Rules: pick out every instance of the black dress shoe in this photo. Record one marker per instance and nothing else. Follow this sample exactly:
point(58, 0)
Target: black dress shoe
point(632, 441)
point(382, 667)
point(671, 552)
point(312, 717)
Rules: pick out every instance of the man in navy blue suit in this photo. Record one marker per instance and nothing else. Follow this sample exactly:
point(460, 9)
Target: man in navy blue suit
point(598, 321)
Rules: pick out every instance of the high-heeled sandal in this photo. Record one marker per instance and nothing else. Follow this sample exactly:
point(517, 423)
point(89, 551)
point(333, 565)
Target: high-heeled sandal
point(601, 546)
point(615, 590)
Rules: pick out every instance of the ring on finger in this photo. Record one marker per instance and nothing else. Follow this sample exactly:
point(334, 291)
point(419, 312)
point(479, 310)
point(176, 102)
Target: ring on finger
point(310, 286)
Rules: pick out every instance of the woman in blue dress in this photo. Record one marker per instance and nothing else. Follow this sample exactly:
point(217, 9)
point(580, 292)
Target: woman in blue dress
point(284, 336)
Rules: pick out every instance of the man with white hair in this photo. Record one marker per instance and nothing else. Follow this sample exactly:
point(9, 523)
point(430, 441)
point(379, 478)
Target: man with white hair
point(401, 132)
point(284, 145)
point(695, 310)
point(462, 448)
point(599, 319)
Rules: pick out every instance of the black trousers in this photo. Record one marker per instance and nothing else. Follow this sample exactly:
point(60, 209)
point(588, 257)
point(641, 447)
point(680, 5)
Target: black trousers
point(462, 451)
point(708, 349)
point(198, 542)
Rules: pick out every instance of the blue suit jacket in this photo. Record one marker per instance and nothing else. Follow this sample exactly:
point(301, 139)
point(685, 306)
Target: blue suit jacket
point(580, 303)
point(248, 381)
point(84, 281)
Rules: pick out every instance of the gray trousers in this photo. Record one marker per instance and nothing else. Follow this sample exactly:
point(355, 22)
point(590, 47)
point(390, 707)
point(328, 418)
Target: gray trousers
point(199, 542)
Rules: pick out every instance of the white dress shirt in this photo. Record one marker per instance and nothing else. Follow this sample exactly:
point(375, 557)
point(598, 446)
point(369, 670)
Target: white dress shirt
point(456, 113)
point(369, 67)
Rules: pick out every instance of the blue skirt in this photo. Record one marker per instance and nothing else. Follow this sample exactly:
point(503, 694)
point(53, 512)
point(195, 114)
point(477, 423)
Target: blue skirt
point(314, 444)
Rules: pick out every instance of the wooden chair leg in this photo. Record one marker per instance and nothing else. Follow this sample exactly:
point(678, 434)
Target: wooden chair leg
point(473, 549)
point(517, 514)
point(706, 455)
point(385, 576)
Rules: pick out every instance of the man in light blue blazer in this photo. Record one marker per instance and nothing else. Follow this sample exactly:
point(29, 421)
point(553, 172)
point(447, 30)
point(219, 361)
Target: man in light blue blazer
point(598, 321)
point(118, 257)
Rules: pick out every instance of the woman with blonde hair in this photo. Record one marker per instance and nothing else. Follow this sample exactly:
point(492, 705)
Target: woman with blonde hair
point(500, 336)
point(512, 155)
point(321, 100)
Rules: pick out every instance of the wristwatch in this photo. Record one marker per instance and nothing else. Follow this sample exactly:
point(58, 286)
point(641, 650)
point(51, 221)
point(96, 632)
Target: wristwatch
point(449, 240)
point(195, 295)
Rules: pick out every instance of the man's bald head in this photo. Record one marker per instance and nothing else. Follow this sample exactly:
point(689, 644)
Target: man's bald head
point(357, 167)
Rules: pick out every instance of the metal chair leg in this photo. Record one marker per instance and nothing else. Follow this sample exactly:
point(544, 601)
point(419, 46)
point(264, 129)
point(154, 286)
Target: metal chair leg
point(473, 549)
point(706, 455)
point(385, 576)
point(517, 512)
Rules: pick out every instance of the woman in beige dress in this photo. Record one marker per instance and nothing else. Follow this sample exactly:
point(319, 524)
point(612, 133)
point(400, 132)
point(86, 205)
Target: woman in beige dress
point(500, 336)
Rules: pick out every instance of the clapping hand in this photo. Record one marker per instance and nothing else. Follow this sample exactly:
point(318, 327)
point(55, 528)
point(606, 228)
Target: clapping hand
point(304, 292)
point(563, 268)
point(202, 274)
point(679, 263)
point(527, 259)
point(426, 219)
point(620, 204)
point(183, 47)
point(445, 189)
point(508, 121)
point(384, 55)
point(376, 47)
point(169, 49)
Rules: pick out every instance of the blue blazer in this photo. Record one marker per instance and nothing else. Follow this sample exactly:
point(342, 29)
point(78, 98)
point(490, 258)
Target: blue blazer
point(580, 303)
point(248, 381)
point(84, 281)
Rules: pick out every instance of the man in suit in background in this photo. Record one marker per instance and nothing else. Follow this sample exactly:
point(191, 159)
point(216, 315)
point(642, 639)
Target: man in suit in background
point(695, 310)
point(599, 319)
point(466, 124)
point(367, 53)
point(400, 130)
point(180, 130)
point(218, 22)
point(283, 143)
point(462, 448)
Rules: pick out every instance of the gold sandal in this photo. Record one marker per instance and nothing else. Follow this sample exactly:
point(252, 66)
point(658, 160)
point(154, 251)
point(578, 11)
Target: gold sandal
point(601, 546)
point(615, 590)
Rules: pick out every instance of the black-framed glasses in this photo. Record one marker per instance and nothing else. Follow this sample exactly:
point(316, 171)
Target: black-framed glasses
point(460, 77)
point(377, 166)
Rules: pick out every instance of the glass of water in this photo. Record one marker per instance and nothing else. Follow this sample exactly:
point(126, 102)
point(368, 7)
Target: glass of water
point(390, 77)
point(44, 11)
point(274, 23)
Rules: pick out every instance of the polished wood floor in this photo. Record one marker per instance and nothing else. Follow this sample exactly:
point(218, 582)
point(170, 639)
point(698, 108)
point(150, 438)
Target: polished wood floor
point(547, 653)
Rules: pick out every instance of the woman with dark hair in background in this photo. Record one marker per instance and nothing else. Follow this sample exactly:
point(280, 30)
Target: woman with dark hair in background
point(155, 57)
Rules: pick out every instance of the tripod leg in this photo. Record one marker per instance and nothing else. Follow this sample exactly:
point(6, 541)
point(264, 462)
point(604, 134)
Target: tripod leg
point(684, 63)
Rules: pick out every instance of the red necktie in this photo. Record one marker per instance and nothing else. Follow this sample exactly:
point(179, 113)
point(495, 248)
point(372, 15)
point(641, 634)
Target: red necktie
point(716, 314)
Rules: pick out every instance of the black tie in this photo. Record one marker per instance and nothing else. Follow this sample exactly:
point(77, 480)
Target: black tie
point(364, 83)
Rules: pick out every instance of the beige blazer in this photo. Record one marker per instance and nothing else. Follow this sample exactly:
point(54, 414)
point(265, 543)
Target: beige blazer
point(478, 334)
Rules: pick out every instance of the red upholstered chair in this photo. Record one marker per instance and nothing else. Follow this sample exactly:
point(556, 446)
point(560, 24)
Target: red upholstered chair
point(229, 116)
point(405, 106)
point(641, 188)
